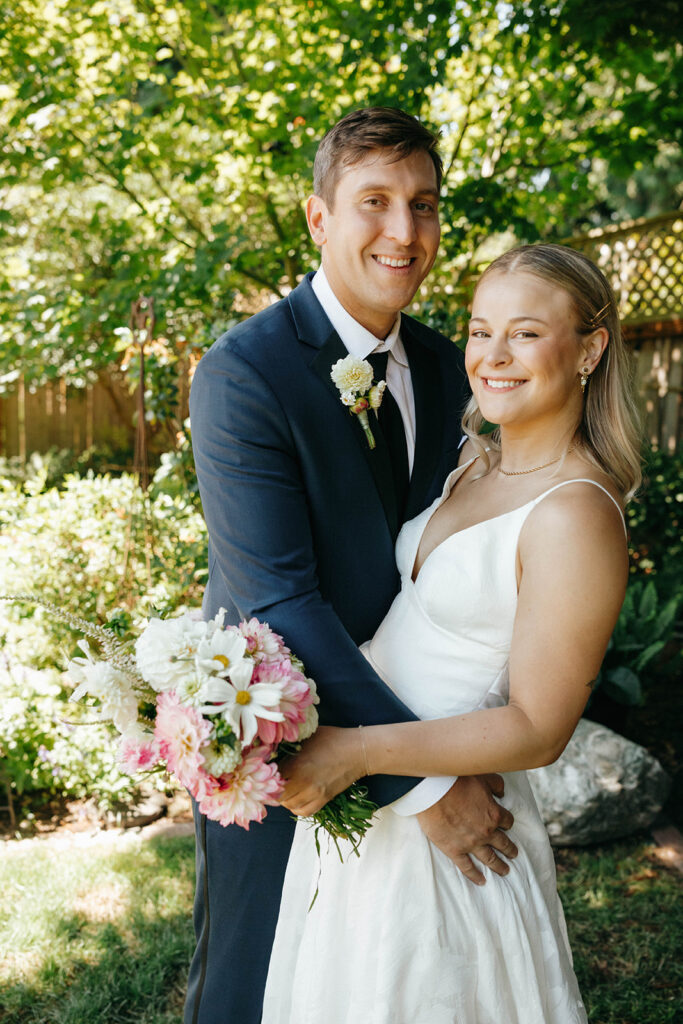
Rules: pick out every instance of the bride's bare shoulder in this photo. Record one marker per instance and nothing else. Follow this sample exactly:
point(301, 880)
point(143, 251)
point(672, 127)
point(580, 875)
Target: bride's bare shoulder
point(582, 516)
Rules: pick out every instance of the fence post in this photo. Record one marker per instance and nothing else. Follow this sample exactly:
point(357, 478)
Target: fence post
point(142, 330)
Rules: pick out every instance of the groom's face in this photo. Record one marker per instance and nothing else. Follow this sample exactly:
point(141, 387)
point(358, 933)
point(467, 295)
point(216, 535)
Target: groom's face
point(379, 239)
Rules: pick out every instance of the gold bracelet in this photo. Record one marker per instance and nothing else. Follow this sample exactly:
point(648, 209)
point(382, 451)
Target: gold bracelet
point(365, 752)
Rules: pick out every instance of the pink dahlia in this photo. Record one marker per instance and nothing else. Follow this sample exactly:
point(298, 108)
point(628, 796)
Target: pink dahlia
point(296, 697)
point(242, 796)
point(181, 732)
point(262, 643)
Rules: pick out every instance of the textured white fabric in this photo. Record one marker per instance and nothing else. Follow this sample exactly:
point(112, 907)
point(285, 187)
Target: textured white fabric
point(399, 935)
point(358, 341)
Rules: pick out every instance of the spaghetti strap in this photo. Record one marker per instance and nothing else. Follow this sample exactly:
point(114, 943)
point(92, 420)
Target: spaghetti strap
point(582, 480)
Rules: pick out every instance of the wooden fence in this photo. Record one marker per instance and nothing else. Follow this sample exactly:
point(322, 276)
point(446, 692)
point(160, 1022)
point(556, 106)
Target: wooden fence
point(643, 259)
point(65, 417)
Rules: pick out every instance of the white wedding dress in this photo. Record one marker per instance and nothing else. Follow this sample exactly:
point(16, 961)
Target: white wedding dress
point(399, 935)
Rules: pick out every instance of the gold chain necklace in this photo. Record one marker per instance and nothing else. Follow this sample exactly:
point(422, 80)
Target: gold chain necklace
point(523, 472)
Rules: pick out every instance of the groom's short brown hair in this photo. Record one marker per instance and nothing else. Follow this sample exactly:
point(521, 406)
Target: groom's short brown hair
point(372, 128)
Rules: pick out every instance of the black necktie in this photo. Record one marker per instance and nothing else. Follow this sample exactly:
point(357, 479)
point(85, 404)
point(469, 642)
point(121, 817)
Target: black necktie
point(391, 425)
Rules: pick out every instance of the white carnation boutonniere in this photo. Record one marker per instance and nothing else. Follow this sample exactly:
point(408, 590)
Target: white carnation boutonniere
point(353, 377)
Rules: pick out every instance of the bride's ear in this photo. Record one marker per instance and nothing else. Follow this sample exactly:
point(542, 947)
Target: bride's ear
point(593, 346)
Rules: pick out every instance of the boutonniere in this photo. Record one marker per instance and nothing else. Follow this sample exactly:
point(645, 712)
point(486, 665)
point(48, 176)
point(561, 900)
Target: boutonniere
point(353, 377)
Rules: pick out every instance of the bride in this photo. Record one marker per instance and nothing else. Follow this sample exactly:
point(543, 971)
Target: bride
point(512, 582)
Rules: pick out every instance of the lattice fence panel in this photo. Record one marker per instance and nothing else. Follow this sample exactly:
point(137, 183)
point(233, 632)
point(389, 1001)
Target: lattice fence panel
point(644, 263)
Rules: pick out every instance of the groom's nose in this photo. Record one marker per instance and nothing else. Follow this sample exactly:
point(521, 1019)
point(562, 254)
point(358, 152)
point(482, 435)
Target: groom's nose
point(399, 224)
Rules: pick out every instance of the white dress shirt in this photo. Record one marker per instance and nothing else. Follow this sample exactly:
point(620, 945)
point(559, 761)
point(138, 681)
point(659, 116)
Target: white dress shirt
point(358, 341)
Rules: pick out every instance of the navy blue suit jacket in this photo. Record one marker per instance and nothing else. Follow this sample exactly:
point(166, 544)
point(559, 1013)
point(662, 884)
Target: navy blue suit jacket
point(301, 513)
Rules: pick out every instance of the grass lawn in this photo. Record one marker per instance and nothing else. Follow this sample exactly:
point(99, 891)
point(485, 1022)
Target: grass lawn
point(95, 933)
point(99, 932)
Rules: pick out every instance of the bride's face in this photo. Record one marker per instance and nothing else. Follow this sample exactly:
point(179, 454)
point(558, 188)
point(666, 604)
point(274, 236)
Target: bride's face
point(524, 352)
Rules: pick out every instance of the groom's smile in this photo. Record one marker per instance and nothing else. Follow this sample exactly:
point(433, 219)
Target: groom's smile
point(380, 237)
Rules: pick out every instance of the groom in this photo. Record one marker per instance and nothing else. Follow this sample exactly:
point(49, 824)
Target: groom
point(303, 515)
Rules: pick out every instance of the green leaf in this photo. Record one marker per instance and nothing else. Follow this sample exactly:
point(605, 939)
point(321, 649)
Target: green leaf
point(648, 654)
point(648, 602)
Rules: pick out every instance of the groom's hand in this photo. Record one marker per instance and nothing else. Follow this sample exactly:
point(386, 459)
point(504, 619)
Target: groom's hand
point(467, 822)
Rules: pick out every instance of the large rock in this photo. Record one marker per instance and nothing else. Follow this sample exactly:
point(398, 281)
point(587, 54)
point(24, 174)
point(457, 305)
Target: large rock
point(602, 787)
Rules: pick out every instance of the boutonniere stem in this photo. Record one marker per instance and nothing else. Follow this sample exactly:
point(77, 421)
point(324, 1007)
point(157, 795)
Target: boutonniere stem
point(358, 391)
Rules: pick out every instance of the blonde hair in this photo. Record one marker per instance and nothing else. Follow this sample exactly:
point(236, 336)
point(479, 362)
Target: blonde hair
point(610, 424)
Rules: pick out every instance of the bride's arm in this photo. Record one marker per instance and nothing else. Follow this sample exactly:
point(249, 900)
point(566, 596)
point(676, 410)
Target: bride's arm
point(573, 576)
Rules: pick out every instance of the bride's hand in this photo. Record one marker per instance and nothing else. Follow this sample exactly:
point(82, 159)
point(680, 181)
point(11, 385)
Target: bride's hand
point(328, 763)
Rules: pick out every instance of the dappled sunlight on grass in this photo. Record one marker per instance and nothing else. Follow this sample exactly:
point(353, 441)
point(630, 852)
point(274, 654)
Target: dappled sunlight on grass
point(624, 918)
point(103, 929)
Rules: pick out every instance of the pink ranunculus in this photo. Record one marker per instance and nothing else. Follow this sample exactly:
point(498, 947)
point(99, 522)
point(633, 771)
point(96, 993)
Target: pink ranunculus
point(181, 732)
point(242, 797)
point(262, 643)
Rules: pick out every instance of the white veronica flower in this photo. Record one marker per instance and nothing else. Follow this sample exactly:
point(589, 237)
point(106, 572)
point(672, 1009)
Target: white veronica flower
point(352, 374)
point(165, 651)
point(241, 704)
point(348, 397)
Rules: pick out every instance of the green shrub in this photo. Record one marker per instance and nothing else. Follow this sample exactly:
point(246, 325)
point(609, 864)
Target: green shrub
point(51, 748)
point(644, 629)
point(655, 523)
point(97, 547)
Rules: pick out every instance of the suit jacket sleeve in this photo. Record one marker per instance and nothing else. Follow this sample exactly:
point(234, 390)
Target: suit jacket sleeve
point(256, 512)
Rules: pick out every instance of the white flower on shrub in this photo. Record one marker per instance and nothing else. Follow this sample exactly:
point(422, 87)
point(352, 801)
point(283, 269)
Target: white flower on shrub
point(165, 651)
point(112, 689)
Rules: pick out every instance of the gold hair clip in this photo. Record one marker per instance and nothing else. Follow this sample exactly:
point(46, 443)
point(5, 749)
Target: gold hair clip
point(594, 319)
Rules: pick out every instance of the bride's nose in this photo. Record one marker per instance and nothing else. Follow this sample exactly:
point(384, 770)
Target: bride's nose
point(498, 351)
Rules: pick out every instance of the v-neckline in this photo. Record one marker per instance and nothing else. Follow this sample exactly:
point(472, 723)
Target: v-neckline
point(445, 495)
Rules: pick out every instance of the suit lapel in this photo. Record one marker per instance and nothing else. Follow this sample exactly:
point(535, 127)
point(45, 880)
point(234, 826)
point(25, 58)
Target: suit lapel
point(429, 416)
point(315, 329)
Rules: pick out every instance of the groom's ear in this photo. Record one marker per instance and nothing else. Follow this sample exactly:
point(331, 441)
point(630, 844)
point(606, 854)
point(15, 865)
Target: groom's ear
point(316, 217)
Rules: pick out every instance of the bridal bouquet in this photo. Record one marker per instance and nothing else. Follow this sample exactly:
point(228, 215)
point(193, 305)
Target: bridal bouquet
point(214, 705)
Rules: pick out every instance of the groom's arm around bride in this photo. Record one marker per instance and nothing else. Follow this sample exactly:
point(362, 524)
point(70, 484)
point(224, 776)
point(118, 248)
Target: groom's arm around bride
point(303, 515)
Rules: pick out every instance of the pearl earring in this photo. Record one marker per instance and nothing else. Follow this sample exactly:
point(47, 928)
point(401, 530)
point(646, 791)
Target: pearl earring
point(585, 374)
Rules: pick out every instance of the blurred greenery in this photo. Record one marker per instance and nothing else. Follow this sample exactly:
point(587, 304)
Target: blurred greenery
point(165, 147)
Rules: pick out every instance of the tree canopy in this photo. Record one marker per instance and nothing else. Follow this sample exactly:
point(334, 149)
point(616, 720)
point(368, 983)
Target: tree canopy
point(165, 147)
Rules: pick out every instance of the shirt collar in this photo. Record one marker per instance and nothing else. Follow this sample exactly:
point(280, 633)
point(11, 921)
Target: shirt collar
point(357, 340)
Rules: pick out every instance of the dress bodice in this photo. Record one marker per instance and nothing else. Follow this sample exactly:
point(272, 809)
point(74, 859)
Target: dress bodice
point(445, 643)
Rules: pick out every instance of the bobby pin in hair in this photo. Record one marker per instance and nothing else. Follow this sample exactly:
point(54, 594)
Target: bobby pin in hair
point(594, 319)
